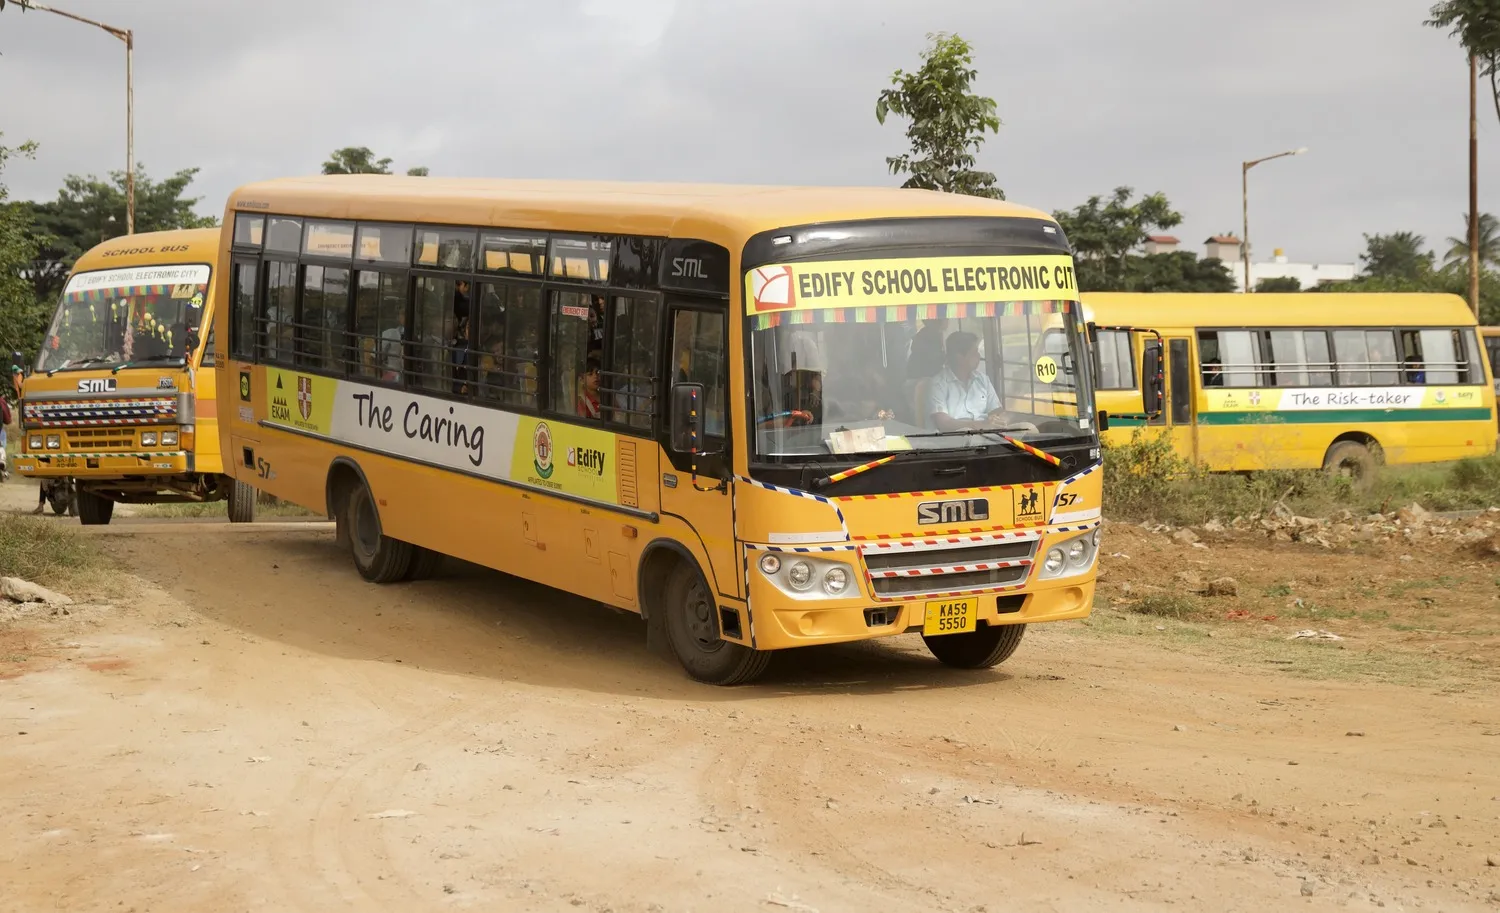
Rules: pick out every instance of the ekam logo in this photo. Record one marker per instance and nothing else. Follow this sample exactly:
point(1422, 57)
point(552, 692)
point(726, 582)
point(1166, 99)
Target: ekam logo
point(541, 450)
point(97, 385)
point(771, 289)
point(951, 512)
point(304, 397)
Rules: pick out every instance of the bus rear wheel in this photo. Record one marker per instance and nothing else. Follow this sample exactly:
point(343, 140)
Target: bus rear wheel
point(692, 623)
point(378, 557)
point(93, 510)
point(241, 501)
point(980, 649)
point(1351, 459)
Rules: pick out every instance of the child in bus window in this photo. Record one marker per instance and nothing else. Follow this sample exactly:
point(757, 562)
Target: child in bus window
point(588, 389)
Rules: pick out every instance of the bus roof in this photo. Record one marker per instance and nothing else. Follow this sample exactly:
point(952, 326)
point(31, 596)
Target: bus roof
point(1173, 310)
point(601, 206)
point(150, 248)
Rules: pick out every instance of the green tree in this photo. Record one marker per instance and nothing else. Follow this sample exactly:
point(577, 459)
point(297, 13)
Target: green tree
point(360, 160)
point(948, 121)
point(1105, 234)
point(88, 211)
point(1279, 284)
point(23, 319)
point(1489, 245)
point(1399, 255)
point(1476, 25)
point(1177, 271)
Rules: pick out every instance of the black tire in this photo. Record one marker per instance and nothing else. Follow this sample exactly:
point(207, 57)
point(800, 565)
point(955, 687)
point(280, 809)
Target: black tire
point(425, 563)
point(378, 557)
point(979, 649)
point(691, 618)
point(1352, 459)
point(241, 501)
point(93, 510)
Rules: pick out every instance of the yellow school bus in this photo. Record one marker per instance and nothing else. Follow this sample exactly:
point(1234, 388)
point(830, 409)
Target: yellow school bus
point(1342, 381)
point(709, 405)
point(121, 397)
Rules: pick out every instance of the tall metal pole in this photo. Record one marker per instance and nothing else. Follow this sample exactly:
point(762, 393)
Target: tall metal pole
point(1474, 184)
point(1245, 205)
point(129, 132)
point(1245, 202)
point(127, 36)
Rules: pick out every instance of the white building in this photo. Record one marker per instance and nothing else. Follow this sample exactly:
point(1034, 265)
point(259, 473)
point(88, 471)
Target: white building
point(1309, 275)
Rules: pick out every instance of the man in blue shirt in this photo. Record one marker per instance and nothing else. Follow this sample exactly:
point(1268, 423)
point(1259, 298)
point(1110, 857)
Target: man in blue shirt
point(961, 397)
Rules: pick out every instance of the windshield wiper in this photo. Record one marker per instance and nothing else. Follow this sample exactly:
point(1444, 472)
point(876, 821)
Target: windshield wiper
point(835, 478)
point(154, 359)
point(1000, 433)
point(80, 363)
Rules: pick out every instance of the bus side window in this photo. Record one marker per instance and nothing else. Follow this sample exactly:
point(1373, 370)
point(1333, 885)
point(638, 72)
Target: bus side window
point(627, 381)
point(242, 335)
point(698, 358)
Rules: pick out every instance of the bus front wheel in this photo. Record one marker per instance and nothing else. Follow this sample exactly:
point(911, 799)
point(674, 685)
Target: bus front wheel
point(378, 557)
point(241, 502)
point(692, 623)
point(981, 649)
point(93, 510)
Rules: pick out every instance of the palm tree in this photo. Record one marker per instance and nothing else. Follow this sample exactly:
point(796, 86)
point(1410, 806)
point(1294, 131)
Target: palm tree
point(1489, 244)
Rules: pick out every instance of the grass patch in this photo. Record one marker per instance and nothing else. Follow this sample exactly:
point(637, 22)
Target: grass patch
point(1147, 480)
point(43, 550)
point(1167, 605)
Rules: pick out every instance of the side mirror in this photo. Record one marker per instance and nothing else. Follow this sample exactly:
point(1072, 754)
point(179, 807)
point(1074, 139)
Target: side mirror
point(1151, 380)
point(687, 418)
point(17, 360)
point(1102, 419)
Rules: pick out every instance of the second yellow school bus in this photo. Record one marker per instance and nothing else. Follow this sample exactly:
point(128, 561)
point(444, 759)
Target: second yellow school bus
point(121, 397)
point(1342, 381)
point(762, 417)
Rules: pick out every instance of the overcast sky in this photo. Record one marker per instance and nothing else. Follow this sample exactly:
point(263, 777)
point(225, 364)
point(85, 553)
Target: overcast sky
point(1166, 95)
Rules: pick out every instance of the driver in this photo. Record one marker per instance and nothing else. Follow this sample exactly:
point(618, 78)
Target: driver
point(961, 397)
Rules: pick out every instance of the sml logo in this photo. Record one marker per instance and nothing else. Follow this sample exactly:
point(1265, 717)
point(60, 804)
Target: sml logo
point(541, 450)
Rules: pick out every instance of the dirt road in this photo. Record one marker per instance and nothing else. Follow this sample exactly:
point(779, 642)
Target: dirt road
point(248, 726)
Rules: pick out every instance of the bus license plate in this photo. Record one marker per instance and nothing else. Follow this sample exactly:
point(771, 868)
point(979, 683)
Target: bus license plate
point(65, 462)
point(951, 616)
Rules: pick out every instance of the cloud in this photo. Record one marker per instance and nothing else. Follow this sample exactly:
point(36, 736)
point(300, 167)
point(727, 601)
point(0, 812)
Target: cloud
point(1156, 94)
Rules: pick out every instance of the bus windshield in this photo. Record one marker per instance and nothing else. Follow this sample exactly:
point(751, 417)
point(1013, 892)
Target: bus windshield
point(863, 380)
point(147, 314)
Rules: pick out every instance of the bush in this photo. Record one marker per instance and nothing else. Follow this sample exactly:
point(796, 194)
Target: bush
point(1147, 480)
point(43, 551)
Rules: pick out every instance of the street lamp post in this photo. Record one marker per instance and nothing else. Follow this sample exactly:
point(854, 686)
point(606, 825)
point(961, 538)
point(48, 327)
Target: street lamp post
point(127, 36)
point(1245, 204)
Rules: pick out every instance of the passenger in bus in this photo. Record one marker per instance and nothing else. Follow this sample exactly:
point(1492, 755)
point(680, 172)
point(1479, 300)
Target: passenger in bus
point(391, 341)
point(926, 358)
point(458, 357)
point(1213, 374)
point(1414, 370)
point(962, 398)
point(588, 389)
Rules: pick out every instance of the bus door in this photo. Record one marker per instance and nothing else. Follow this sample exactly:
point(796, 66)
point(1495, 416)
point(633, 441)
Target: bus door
point(1177, 412)
point(695, 488)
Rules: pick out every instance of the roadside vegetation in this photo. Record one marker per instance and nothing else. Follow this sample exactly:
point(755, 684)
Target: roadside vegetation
point(1147, 481)
point(45, 551)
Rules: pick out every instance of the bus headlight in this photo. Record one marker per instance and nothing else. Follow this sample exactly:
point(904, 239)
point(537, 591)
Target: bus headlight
point(800, 575)
point(54, 442)
point(169, 439)
point(1072, 556)
point(36, 442)
point(148, 438)
point(806, 577)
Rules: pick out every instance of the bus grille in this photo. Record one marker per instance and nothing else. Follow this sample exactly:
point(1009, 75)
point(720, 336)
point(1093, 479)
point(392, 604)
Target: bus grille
point(98, 413)
point(912, 569)
point(95, 440)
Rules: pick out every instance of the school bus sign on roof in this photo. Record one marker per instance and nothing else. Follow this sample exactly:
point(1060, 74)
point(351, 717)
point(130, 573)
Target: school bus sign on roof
point(935, 280)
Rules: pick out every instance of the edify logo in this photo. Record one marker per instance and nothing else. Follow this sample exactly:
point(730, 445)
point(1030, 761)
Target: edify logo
point(584, 458)
point(771, 288)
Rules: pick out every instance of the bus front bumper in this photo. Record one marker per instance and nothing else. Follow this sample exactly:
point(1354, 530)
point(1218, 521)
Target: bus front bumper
point(103, 465)
point(781, 622)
